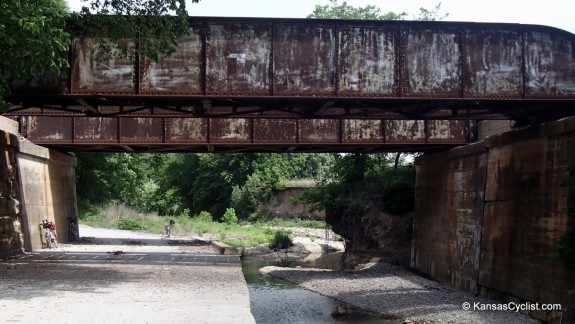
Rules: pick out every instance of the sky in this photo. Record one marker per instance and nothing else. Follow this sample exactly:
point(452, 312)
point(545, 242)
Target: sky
point(556, 13)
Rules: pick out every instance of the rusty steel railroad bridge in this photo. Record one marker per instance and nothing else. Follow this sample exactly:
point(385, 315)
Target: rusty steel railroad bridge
point(302, 85)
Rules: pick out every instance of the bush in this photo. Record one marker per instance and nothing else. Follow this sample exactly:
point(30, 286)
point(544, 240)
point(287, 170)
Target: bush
point(230, 216)
point(129, 224)
point(204, 217)
point(281, 240)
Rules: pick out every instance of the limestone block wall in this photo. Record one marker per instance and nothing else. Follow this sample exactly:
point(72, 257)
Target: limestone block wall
point(35, 184)
point(488, 215)
point(11, 238)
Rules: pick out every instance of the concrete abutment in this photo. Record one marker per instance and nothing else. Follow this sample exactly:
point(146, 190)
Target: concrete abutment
point(36, 184)
point(488, 216)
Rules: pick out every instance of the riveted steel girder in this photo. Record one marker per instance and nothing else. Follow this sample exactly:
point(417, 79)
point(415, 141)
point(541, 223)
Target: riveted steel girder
point(312, 67)
point(161, 134)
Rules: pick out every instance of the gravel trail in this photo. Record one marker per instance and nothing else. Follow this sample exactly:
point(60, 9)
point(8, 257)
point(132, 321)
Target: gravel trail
point(124, 277)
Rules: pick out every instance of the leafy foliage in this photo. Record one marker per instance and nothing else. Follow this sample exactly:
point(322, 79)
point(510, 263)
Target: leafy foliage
point(230, 216)
point(32, 38)
point(204, 216)
point(213, 182)
point(398, 192)
point(345, 11)
point(281, 240)
point(130, 178)
point(335, 10)
point(129, 224)
point(152, 36)
point(431, 15)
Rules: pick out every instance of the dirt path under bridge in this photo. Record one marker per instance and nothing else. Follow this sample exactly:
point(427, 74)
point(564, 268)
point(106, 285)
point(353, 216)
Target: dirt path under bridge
point(124, 277)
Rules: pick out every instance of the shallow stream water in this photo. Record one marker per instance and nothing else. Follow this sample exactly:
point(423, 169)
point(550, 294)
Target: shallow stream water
point(277, 301)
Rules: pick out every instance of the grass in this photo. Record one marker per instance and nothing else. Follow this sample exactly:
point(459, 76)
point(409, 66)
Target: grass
point(301, 183)
point(244, 235)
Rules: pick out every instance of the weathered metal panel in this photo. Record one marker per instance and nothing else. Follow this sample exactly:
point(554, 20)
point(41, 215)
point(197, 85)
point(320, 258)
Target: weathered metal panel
point(405, 131)
point(550, 65)
point(47, 83)
point(304, 60)
point(178, 74)
point(186, 130)
point(362, 131)
point(366, 62)
point(275, 130)
point(493, 64)
point(319, 131)
point(95, 130)
point(432, 64)
point(447, 131)
point(238, 59)
point(230, 130)
point(141, 130)
point(114, 75)
point(49, 129)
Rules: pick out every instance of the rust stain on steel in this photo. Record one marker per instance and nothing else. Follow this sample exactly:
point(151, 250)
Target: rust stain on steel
point(238, 58)
point(180, 73)
point(49, 129)
point(366, 62)
point(447, 130)
point(187, 130)
point(275, 130)
point(432, 63)
point(550, 64)
point(304, 60)
point(171, 132)
point(140, 130)
point(319, 131)
point(405, 131)
point(96, 130)
point(362, 131)
point(493, 62)
point(230, 130)
point(114, 75)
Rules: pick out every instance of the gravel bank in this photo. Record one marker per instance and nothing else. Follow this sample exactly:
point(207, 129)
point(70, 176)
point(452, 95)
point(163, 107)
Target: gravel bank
point(395, 292)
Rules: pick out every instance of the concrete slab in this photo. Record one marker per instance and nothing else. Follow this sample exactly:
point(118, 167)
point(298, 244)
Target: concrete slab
point(152, 281)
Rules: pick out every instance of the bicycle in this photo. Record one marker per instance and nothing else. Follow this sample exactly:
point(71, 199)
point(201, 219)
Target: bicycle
point(169, 227)
point(73, 234)
point(50, 234)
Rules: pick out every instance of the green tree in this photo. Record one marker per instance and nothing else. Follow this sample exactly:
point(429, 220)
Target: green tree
point(431, 15)
point(132, 179)
point(345, 11)
point(214, 182)
point(34, 34)
point(335, 10)
point(153, 26)
point(32, 39)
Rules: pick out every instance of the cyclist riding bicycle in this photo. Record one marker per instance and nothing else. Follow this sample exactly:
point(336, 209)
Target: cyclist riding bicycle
point(169, 227)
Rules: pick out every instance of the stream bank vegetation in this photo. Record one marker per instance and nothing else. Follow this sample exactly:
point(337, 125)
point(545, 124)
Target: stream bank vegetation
point(216, 196)
point(242, 234)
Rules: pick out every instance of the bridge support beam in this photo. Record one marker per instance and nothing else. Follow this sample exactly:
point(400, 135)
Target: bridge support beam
point(160, 134)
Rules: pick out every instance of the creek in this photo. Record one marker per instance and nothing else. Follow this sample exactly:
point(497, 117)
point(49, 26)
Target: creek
point(276, 301)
